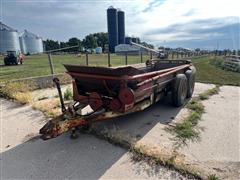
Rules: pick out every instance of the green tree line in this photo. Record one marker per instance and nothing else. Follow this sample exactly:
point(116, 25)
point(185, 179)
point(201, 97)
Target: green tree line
point(89, 42)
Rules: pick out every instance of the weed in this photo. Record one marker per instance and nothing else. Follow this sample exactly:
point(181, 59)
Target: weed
point(208, 93)
point(203, 96)
point(212, 177)
point(194, 117)
point(68, 94)
point(17, 90)
point(48, 106)
point(185, 131)
point(196, 105)
point(23, 98)
point(12, 88)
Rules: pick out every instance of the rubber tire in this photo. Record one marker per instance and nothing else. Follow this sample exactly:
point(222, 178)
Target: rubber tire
point(179, 90)
point(190, 74)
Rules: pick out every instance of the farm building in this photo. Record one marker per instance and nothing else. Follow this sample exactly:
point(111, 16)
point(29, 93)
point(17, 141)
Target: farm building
point(122, 49)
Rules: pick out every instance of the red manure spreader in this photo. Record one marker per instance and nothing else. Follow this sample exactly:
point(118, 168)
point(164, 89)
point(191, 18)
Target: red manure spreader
point(115, 91)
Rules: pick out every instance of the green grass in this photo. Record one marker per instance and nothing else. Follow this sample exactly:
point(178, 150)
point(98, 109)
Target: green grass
point(209, 73)
point(188, 129)
point(37, 65)
point(213, 177)
point(68, 94)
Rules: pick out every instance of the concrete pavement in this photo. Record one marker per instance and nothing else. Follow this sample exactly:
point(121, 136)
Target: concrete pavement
point(24, 156)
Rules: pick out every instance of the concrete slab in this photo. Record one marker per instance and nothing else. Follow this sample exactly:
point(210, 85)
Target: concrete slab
point(28, 157)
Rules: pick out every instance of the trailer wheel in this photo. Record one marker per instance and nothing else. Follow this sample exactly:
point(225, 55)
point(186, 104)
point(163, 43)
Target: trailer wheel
point(190, 74)
point(179, 90)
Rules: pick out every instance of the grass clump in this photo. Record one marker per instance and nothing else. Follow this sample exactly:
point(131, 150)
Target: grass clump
point(208, 93)
point(196, 106)
point(68, 94)
point(185, 131)
point(212, 177)
point(194, 117)
point(19, 91)
point(188, 130)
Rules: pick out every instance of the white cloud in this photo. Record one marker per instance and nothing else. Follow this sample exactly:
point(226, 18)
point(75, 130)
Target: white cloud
point(63, 19)
point(174, 11)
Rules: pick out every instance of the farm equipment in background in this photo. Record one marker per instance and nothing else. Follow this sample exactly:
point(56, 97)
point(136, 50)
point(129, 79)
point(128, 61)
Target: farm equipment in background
point(108, 92)
point(12, 58)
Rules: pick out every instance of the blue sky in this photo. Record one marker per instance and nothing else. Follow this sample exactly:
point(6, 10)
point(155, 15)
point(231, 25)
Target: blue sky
point(187, 23)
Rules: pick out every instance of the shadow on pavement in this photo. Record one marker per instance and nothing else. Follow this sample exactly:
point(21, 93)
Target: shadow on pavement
point(85, 158)
point(138, 124)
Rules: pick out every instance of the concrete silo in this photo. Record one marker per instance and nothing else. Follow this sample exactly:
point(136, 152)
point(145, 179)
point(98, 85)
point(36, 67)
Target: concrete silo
point(31, 43)
point(112, 23)
point(9, 39)
point(121, 27)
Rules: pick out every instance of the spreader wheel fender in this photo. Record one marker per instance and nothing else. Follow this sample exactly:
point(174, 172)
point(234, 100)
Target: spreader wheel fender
point(190, 74)
point(179, 90)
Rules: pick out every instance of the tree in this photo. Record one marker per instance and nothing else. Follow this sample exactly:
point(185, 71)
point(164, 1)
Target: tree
point(74, 42)
point(102, 39)
point(51, 44)
point(90, 42)
point(63, 45)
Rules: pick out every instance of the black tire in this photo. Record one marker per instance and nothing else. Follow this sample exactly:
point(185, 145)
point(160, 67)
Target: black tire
point(190, 74)
point(179, 90)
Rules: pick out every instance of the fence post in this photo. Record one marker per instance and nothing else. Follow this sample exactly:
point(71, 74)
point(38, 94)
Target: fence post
point(87, 58)
point(109, 61)
point(141, 57)
point(177, 55)
point(172, 55)
point(126, 59)
point(51, 63)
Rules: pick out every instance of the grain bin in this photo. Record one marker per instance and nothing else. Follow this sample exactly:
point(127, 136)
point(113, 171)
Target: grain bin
point(9, 39)
point(112, 23)
point(31, 43)
point(121, 27)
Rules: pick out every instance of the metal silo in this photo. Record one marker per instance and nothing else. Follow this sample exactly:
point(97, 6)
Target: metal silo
point(121, 27)
point(31, 43)
point(128, 40)
point(112, 23)
point(9, 39)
